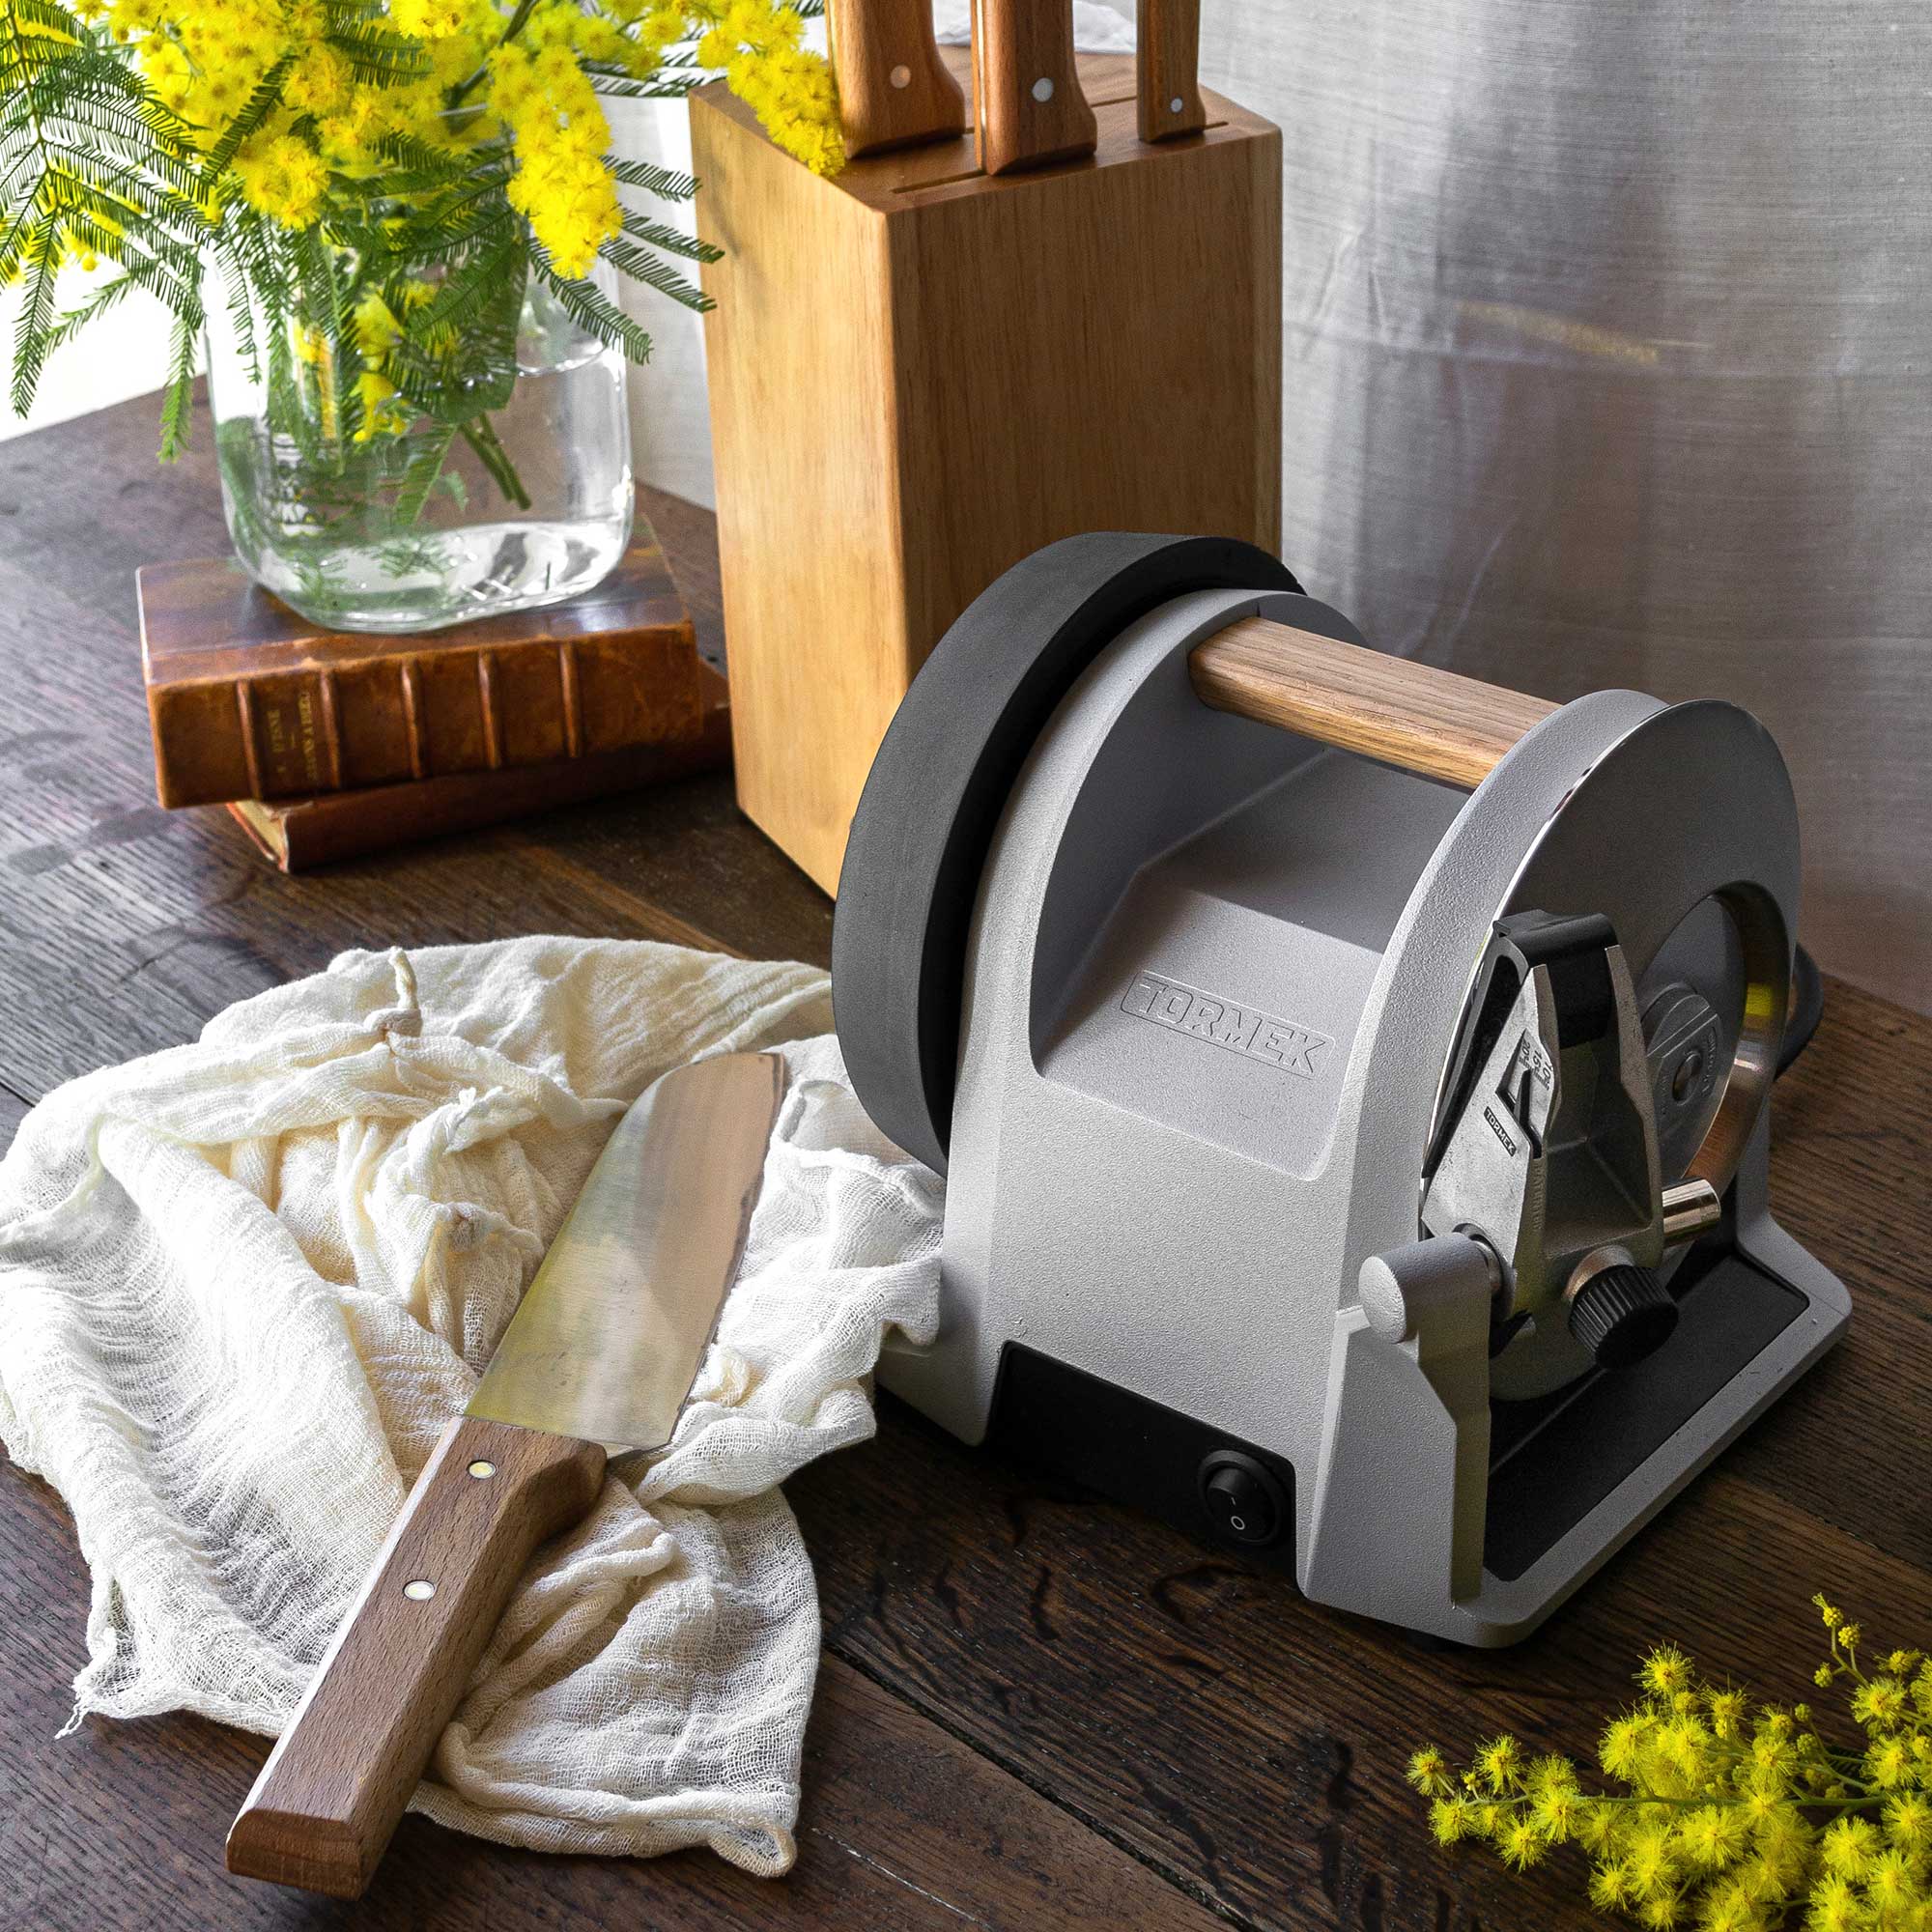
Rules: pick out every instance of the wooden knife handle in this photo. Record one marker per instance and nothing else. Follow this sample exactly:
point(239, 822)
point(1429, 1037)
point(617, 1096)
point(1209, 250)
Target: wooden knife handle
point(337, 1783)
point(1413, 716)
point(893, 89)
point(1028, 104)
point(1167, 63)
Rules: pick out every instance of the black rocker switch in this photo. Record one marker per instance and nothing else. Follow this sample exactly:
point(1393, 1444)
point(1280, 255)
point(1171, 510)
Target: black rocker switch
point(1133, 1451)
point(1244, 1501)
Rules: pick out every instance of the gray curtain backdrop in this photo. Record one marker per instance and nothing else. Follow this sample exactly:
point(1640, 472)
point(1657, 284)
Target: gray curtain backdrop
point(1609, 361)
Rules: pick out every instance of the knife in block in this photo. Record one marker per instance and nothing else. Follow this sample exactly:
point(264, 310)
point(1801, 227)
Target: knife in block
point(893, 89)
point(602, 1351)
point(1028, 107)
point(1167, 60)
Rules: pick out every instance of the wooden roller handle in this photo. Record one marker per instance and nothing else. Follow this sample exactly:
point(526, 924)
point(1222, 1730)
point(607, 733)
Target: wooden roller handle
point(1167, 60)
point(1027, 99)
point(1398, 712)
point(893, 89)
point(337, 1783)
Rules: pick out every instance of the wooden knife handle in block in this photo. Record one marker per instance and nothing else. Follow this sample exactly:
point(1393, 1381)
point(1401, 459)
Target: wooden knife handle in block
point(336, 1785)
point(1028, 106)
point(893, 89)
point(1410, 715)
point(1167, 63)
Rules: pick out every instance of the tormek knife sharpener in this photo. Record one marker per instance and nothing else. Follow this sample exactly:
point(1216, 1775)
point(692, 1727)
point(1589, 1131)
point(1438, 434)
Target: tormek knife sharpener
point(1351, 1079)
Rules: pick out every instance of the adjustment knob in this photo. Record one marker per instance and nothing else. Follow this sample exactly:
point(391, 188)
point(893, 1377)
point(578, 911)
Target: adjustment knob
point(1622, 1314)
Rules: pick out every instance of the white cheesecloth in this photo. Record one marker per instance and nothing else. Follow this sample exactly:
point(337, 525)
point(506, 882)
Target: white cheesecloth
point(244, 1283)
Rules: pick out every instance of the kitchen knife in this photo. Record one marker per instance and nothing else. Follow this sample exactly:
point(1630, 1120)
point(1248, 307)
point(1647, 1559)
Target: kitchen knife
point(893, 89)
point(1028, 106)
point(1166, 58)
point(603, 1350)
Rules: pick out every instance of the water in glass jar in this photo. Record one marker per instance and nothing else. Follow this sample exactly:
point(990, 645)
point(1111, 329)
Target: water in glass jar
point(529, 505)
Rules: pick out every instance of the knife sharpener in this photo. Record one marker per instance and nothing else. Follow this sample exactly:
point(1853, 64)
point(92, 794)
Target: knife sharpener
point(1351, 1079)
point(919, 373)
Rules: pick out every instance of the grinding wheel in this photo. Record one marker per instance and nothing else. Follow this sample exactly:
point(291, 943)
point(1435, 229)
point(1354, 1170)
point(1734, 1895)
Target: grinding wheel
point(940, 781)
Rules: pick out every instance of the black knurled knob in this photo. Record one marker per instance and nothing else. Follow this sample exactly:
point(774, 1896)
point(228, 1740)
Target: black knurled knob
point(1622, 1314)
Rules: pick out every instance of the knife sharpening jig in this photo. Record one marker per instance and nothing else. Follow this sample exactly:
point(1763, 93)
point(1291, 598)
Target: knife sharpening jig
point(1351, 1079)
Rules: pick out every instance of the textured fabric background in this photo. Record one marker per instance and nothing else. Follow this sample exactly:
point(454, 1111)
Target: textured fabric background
point(1608, 356)
point(1608, 362)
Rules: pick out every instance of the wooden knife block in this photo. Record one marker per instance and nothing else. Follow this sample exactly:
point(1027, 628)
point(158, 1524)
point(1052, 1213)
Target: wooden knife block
point(919, 375)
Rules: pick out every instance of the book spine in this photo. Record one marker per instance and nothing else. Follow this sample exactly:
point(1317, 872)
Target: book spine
point(346, 825)
point(428, 714)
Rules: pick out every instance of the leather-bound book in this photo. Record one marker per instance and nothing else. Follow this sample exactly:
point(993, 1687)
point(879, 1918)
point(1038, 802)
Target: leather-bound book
point(248, 700)
point(302, 832)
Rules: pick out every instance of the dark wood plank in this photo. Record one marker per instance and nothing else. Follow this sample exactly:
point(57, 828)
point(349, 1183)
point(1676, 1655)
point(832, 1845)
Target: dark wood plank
point(1251, 1744)
point(1022, 1683)
point(123, 929)
point(149, 922)
point(1246, 1742)
point(905, 1829)
point(1851, 1149)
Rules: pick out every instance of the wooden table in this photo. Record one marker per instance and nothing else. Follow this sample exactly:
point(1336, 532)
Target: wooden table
point(1034, 1710)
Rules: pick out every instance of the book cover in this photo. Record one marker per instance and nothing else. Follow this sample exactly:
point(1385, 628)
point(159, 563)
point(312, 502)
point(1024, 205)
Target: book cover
point(248, 700)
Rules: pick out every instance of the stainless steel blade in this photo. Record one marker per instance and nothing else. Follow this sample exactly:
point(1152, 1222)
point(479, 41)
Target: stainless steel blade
point(610, 1333)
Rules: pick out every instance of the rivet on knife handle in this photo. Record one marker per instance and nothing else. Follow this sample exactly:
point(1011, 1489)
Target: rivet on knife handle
point(336, 1785)
point(1167, 60)
point(893, 89)
point(1028, 106)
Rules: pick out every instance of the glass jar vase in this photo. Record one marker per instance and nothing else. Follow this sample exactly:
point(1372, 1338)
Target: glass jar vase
point(364, 517)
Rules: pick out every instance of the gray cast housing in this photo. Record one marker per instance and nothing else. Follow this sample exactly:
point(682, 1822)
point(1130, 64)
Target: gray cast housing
point(1311, 1127)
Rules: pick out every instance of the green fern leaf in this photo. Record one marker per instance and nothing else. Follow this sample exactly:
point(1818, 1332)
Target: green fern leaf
point(425, 464)
point(663, 183)
point(673, 241)
point(33, 331)
point(263, 101)
point(178, 397)
point(378, 56)
point(649, 269)
point(589, 306)
point(664, 85)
